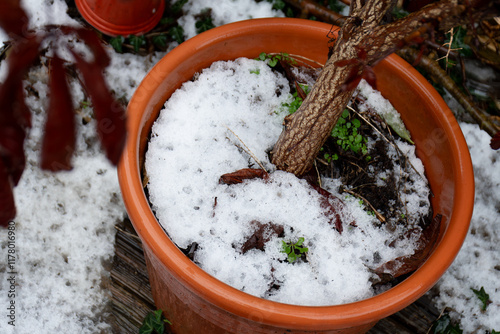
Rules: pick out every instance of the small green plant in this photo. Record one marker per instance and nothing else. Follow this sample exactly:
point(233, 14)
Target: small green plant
point(294, 250)
point(483, 297)
point(330, 157)
point(297, 100)
point(204, 21)
point(117, 43)
point(444, 325)
point(347, 136)
point(154, 322)
point(177, 6)
point(160, 40)
point(177, 34)
point(137, 41)
point(275, 58)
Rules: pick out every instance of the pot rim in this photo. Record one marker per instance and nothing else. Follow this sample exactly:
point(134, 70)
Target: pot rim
point(103, 20)
point(279, 314)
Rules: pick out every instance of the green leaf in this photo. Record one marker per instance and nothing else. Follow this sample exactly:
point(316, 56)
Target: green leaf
point(483, 297)
point(177, 6)
point(300, 242)
point(117, 43)
point(177, 33)
point(395, 122)
point(204, 24)
point(459, 43)
point(273, 62)
point(154, 322)
point(137, 42)
point(166, 21)
point(356, 122)
point(494, 332)
point(443, 325)
point(160, 41)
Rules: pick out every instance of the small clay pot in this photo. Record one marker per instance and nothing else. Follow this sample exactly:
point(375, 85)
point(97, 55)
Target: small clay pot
point(196, 302)
point(122, 17)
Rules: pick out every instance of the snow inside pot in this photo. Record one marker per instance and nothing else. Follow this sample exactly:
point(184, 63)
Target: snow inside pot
point(197, 302)
point(227, 119)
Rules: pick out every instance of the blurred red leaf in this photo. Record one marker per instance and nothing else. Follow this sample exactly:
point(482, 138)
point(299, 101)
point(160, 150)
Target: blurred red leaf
point(14, 115)
point(101, 57)
point(352, 80)
point(59, 136)
point(13, 18)
point(7, 205)
point(495, 141)
point(345, 62)
point(406, 264)
point(110, 115)
point(243, 174)
point(12, 150)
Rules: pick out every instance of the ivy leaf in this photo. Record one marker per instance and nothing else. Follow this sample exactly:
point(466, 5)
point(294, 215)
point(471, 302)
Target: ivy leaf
point(204, 24)
point(444, 325)
point(483, 297)
point(160, 41)
point(137, 42)
point(177, 33)
point(117, 43)
point(177, 6)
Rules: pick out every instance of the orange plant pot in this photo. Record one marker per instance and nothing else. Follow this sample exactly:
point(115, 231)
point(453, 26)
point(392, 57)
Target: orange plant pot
point(121, 17)
point(196, 302)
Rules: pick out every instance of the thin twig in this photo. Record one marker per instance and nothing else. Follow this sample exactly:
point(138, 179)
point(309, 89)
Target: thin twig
point(247, 149)
point(308, 7)
point(379, 216)
point(128, 233)
point(438, 75)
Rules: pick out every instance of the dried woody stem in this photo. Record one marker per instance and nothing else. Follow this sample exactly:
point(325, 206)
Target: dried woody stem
point(308, 128)
point(308, 7)
point(438, 75)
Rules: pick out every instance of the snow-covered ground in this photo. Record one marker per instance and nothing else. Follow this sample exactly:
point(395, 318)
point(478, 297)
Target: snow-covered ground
point(64, 230)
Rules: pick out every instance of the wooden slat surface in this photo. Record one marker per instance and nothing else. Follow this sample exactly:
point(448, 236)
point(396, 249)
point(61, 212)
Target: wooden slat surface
point(132, 298)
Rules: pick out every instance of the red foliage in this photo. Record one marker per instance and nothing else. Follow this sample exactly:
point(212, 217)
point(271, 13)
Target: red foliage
point(360, 70)
point(495, 141)
point(59, 139)
point(59, 135)
point(243, 174)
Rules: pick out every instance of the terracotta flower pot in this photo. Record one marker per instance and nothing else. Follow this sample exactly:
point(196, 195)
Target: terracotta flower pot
point(196, 302)
point(122, 17)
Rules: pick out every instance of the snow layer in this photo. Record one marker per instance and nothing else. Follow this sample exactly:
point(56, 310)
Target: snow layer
point(478, 263)
point(225, 11)
point(198, 137)
point(65, 222)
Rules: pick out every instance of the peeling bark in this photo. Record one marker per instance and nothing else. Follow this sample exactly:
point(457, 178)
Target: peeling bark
point(362, 42)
